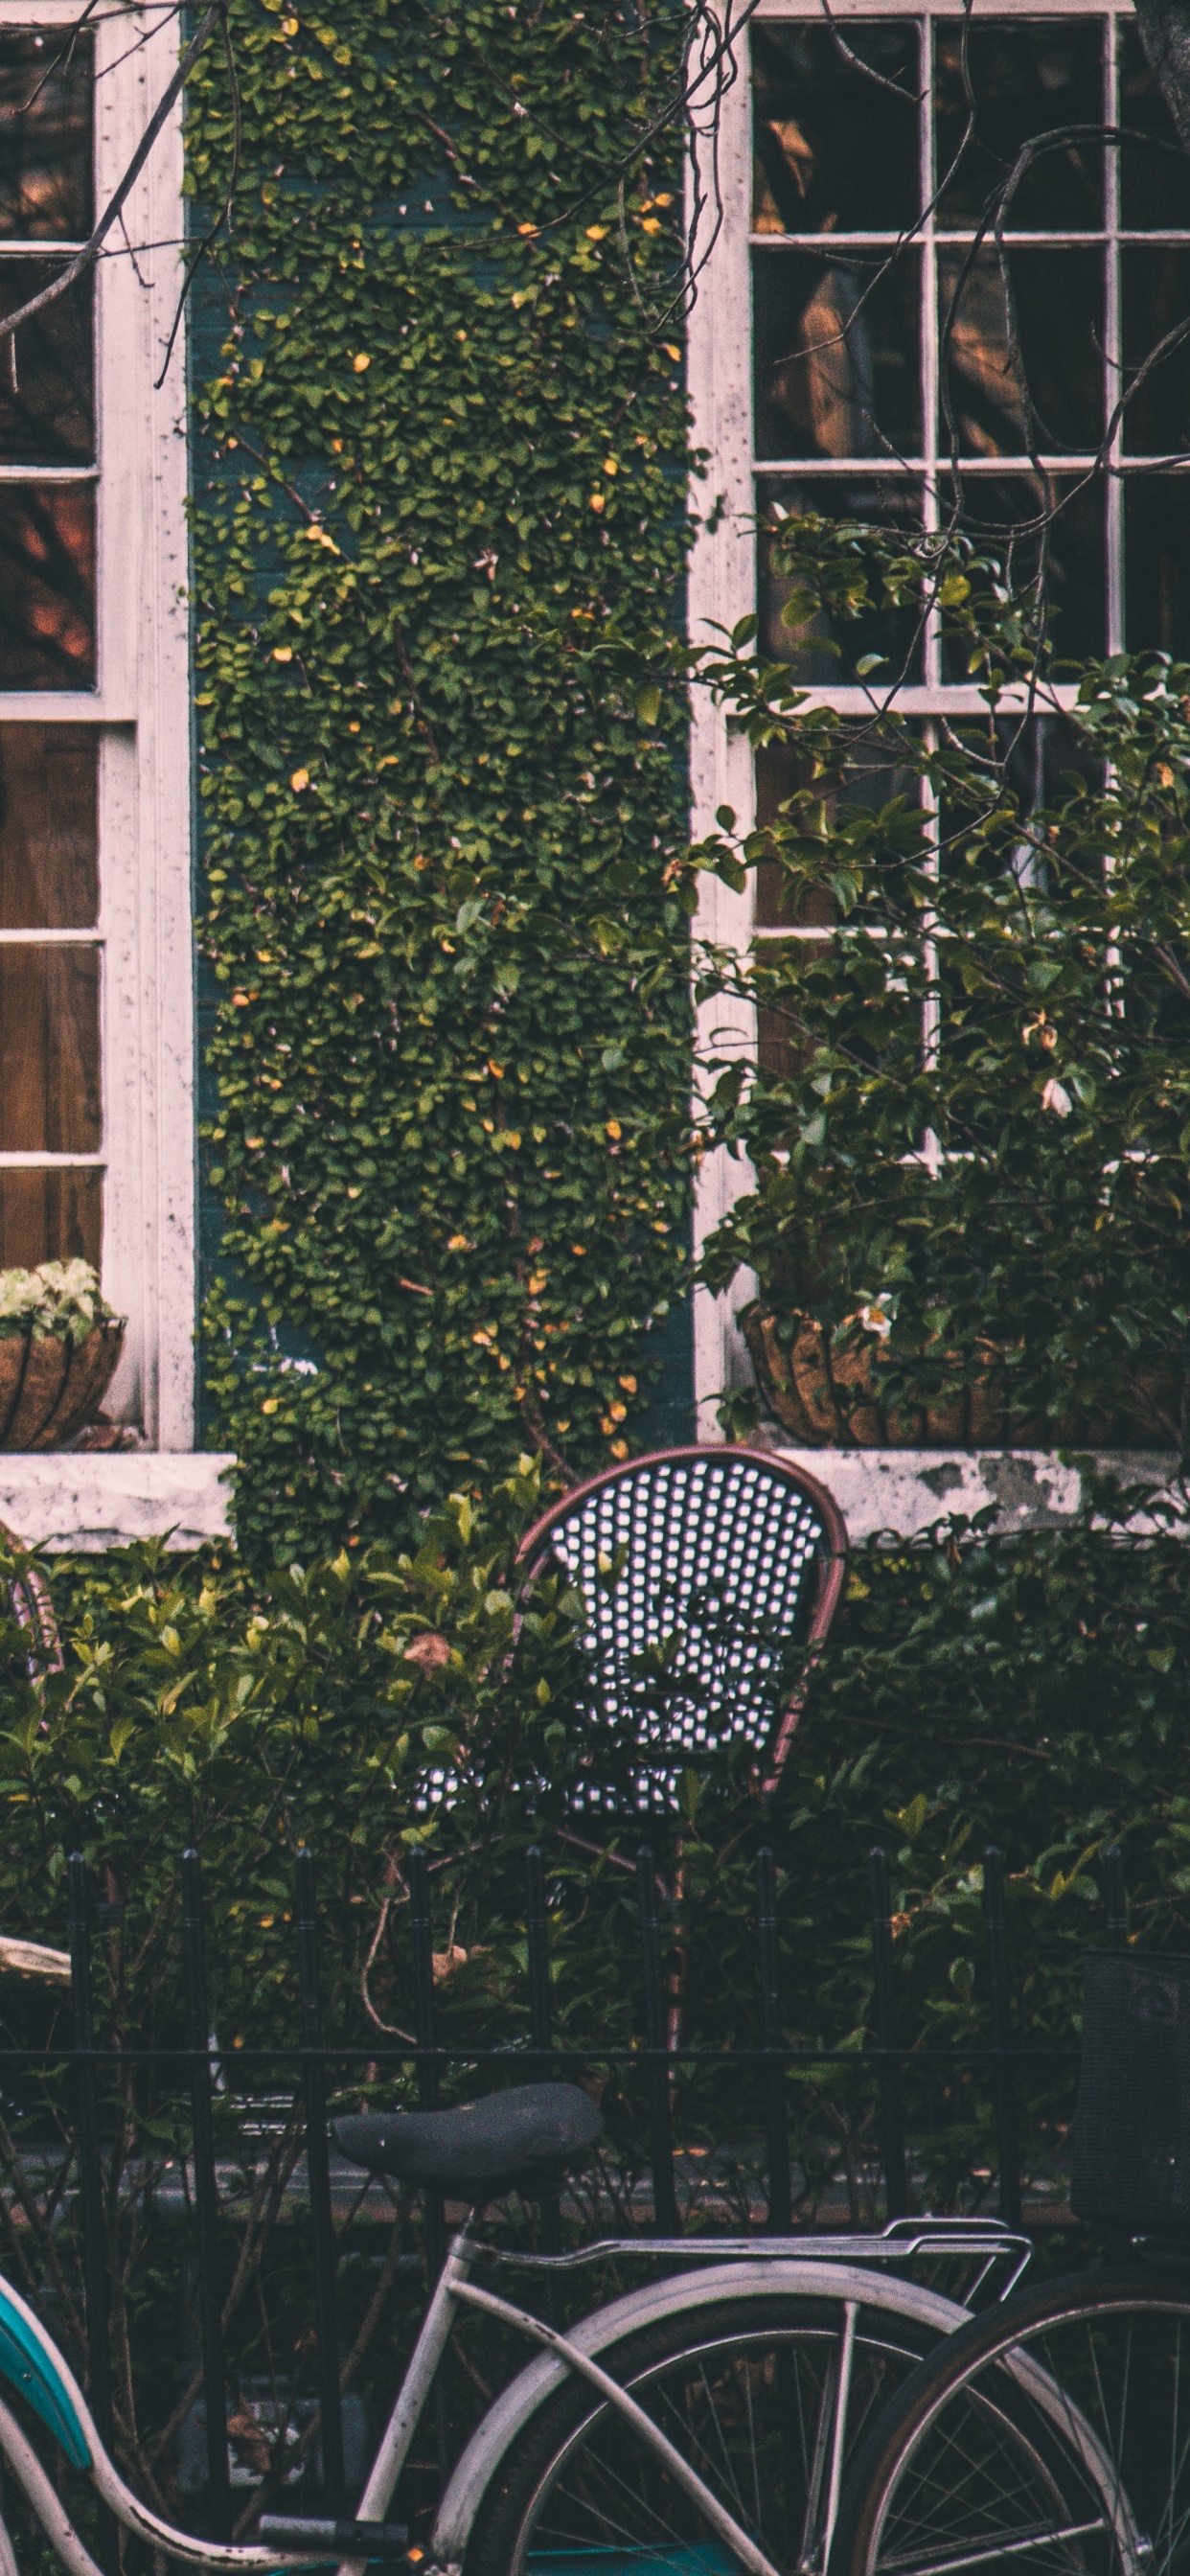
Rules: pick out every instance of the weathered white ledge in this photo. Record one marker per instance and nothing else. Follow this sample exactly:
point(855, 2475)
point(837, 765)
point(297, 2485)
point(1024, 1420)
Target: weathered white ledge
point(904, 1490)
point(92, 1502)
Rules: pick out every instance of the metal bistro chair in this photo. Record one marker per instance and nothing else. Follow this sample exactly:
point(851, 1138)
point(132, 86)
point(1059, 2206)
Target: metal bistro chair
point(709, 1574)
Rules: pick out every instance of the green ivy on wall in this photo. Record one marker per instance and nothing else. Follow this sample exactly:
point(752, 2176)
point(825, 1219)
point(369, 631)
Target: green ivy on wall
point(438, 539)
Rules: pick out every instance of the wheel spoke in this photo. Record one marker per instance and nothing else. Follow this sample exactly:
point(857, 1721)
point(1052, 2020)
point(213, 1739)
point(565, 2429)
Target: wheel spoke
point(752, 2413)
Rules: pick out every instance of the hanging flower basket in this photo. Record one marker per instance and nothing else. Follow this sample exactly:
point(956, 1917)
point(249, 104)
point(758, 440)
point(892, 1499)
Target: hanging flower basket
point(59, 1344)
point(828, 1396)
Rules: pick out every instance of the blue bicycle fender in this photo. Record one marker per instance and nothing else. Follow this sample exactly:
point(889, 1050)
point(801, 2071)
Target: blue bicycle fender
point(24, 2361)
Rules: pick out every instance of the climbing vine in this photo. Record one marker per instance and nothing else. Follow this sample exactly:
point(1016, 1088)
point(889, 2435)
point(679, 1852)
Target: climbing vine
point(438, 538)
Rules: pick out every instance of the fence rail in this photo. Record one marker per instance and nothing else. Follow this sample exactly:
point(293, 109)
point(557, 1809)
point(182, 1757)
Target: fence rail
point(197, 2070)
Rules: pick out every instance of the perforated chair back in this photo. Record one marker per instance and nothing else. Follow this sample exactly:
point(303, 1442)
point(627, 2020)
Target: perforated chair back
point(707, 1573)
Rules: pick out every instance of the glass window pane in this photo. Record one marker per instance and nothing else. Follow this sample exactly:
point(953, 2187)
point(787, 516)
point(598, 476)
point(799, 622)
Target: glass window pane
point(1154, 177)
point(45, 134)
point(823, 650)
point(1157, 563)
point(1154, 288)
point(876, 774)
point(782, 1049)
point(837, 355)
point(1035, 337)
point(834, 151)
point(1027, 80)
point(49, 1050)
point(50, 1216)
point(1017, 518)
point(49, 873)
point(47, 567)
point(47, 404)
point(1041, 759)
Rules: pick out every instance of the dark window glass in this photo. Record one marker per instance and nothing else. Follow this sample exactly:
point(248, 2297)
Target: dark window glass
point(822, 650)
point(837, 369)
point(47, 403)
point(1047, 523)
point(1023, 352)
point(1155, 285)
point(1027, 80)
point(834, 151)
point(47, 574)
point(1041, 759)
point(49, 876)
point(781, 1047)
point(50, 1216)
point(875, 776)
point(1154, 176)
point(49, 1050)
point(1157, 564)
point(45, 134)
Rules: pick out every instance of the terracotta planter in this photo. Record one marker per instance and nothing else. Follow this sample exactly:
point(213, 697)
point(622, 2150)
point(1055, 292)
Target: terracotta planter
point(49, 1387)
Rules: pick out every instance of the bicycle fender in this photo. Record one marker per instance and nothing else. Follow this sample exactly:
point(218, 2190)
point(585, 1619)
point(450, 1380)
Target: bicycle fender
point(518, 2402)
point(35, 2369)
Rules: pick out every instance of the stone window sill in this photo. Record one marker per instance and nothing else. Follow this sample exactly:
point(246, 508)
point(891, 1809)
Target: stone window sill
point(68, 1501)
point(904, 1490)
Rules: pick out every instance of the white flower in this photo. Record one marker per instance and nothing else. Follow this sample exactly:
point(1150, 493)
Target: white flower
point(1056, 1097)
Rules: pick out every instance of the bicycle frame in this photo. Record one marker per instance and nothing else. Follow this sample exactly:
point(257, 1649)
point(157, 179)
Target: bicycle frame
point(30, 2359)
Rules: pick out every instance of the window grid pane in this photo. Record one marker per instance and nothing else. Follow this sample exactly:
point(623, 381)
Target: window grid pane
point(1097, 252)
point(50, 949)
point(833, 337)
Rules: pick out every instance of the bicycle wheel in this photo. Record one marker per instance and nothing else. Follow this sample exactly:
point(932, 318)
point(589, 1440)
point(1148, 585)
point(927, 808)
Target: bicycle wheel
point(1051, 2438)
point(765, 2397)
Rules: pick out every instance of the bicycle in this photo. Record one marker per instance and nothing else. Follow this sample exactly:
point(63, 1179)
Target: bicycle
point(697, 2424)
point(1053, 2437)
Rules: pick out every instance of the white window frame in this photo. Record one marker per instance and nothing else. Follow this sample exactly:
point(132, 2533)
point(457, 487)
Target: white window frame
point(141, 709)
point(884, 1489)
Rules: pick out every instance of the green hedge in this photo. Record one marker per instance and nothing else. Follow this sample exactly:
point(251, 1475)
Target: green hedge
point(1028, 1691)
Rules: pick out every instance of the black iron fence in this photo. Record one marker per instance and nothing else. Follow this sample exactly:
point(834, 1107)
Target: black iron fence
point(309, 2077)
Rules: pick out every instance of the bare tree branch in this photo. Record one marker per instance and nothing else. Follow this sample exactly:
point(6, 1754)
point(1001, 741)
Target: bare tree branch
point(1165, 34)
point(86, 257)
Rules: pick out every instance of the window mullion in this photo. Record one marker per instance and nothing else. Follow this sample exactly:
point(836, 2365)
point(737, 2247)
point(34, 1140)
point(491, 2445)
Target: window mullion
point(1112, 367)
point(932, 658)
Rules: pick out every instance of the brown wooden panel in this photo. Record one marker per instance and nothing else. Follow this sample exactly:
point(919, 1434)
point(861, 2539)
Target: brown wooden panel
point(50, 1216)
point(49, 1050)
point(49, 848)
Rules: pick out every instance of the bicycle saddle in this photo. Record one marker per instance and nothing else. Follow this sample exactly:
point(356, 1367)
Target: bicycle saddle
point(511, 2141)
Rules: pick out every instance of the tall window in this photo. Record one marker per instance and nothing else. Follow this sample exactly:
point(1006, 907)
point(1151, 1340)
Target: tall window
point(859, 353)
point(96, 1149)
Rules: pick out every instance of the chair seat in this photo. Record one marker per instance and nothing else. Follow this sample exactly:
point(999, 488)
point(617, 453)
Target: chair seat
point(509, 2142)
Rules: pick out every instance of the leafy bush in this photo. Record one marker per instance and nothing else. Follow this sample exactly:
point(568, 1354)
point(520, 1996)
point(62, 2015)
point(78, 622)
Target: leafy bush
point(1024, 1690)
point(325, 1708)
point(970, 1124)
